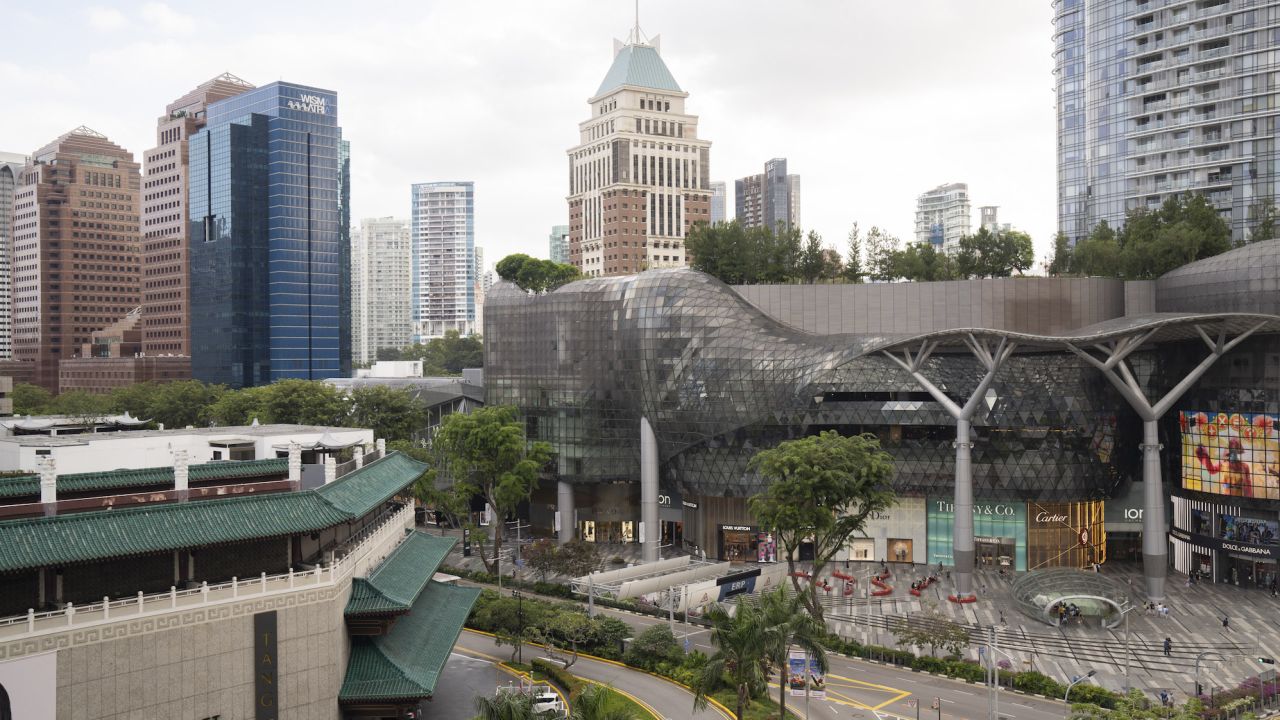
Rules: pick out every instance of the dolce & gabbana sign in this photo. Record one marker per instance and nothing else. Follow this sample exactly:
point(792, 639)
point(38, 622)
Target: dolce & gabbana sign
point(308, 102)
point(1269, 552)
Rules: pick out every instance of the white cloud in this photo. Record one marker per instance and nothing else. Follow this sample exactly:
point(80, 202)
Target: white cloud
point(166, 19)
point(101, 18)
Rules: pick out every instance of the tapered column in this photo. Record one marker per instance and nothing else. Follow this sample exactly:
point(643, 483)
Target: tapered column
point(1155, 549)
point(564, 506)
point(962, 551)
point(649, 492)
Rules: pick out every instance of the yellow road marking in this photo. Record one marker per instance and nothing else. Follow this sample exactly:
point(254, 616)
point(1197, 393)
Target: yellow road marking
point(648, 708)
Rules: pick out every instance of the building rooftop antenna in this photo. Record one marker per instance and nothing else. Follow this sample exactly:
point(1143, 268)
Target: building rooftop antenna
point(637, 36)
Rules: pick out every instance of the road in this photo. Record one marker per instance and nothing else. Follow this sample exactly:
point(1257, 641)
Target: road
point(666, 698)
point(860, 689)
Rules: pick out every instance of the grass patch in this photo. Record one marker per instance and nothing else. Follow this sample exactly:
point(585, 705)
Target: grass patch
point(759, 709)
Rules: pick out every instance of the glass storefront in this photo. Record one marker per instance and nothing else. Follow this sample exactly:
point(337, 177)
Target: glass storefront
point(862, 549)
point(743, 543)
point(607, 532)
point(999, 530)
point(1065, 534)
point(900, 550)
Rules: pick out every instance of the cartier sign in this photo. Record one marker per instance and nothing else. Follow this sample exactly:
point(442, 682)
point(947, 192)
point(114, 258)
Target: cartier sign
point(1044, 517)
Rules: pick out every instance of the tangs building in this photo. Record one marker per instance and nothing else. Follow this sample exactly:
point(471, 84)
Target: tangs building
point(719, 372)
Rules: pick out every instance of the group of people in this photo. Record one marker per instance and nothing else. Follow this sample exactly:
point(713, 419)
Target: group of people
point(922, 584)
point(1066, 610)
point(1157, 609)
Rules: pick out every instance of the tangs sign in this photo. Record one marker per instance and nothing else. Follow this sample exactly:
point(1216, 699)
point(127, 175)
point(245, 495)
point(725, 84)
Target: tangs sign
point(266, 666)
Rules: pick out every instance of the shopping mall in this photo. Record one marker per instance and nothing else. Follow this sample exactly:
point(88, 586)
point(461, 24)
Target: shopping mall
point(1073, 420)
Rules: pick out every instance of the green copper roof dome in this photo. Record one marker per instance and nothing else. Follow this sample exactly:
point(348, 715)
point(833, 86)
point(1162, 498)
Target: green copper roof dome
point(638, 65)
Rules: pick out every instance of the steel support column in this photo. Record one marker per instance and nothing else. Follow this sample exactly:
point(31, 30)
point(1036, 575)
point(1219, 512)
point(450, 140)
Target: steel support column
point(992, 359)
point(564, 506)
point(1115, 368)
point(649, 493)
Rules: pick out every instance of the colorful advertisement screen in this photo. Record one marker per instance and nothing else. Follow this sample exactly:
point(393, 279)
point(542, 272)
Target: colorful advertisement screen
point(1231, 454)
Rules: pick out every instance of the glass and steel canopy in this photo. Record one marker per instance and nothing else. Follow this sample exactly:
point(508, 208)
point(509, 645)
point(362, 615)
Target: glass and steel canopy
point(1039, 593)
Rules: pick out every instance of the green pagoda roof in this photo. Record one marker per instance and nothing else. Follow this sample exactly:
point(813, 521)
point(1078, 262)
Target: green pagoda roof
point(406, 663)
point(142, 529)
point(394, 586)
point(24, 485)
point(638, 65)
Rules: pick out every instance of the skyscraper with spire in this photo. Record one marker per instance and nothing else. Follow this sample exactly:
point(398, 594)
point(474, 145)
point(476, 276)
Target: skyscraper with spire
point(640, 176)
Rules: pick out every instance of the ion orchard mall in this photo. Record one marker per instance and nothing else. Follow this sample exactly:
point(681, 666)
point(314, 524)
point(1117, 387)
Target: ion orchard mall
point(1034, 422)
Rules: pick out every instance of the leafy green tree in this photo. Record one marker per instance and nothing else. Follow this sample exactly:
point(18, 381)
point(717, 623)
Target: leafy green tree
point(789, 625)
point(184, 402)
point(305, 402)
point(31, 399)
point(881, 248)
point(577, 558)
point(568, 632)
point(540, 556)
point(820, 489)
point(534, 275)
point(81, 406)
point(486, 453)
point(1061, 262)
point(240, 407)
point(998, 254)
point(741, 659)
point(853, 257)
point(507, 706)
point(813, 259)
point(447, 355)
point(920, 262)
point(653, 645)
point(932, 629)
point(392, 413)
point(1097, 255)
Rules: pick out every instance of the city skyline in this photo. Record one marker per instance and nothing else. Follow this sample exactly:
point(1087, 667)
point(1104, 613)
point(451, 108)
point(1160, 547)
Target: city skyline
point(821, 123)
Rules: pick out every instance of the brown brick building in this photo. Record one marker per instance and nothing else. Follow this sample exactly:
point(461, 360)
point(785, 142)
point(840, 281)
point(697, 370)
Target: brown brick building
point(75, 247)
point(165, 265)
point(640, 177)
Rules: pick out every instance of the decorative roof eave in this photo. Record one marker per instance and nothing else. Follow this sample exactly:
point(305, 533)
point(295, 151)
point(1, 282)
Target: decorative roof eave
point(394, 586)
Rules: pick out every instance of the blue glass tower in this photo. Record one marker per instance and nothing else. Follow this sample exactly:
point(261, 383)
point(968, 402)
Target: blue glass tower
point(269, 208)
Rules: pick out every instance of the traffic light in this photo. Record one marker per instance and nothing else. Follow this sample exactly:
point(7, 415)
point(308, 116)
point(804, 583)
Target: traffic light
point(1199, 690)
point(1267, 660)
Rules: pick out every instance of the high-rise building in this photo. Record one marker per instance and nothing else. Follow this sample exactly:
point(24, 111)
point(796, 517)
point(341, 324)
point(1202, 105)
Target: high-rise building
point(717, 203)
point(11, 165)
point(381, 283)
point(75, 247)
point(640, 175)
point(165, 320)
point(1156, 99)
point(558, 243)
point(443, 259)
point(943, 216)
point(769, 199)
point(267, 203)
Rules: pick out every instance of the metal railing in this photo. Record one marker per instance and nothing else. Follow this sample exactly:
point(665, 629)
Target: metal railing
point(356, 555)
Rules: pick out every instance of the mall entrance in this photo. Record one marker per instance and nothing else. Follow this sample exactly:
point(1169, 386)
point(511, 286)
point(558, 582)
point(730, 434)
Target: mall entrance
point(995, 552)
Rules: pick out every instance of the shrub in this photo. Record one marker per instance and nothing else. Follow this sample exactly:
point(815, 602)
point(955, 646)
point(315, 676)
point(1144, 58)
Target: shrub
point(653, 646)
point(970, 671)
point(1038, 683)
point(557, 675)
point(1085, 693)
point(928, 663)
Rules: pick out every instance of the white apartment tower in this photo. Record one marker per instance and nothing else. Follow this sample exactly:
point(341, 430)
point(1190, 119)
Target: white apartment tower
point(640, 176)
point(11, 165)
point(443, 259)
point(381, 285)
point(942, 216)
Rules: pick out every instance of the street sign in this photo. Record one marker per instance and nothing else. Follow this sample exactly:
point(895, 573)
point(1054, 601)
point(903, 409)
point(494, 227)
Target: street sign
point(913, 703)
point(937, 702)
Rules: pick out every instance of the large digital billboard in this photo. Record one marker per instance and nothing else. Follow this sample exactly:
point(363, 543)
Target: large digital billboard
point(1231, 454)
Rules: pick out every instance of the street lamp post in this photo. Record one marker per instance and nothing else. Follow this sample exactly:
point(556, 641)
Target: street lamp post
point(1125, 614)
point(1076, 681)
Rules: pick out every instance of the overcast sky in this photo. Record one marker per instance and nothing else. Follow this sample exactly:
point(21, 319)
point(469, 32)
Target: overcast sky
point(872, 103)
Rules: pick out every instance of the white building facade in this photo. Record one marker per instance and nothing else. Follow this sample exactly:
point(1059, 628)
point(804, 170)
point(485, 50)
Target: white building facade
point(381, 285)
point(11, 165)
point(443, 259)
point(639, 177)
point(943, 216)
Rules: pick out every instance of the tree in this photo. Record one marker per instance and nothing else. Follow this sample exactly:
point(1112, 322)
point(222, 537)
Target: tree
point(83, 407)
point(486, 453)
point(654, 645)
point(820, 489)
point(600, 702)
point(1264, 227)
point(1097, 255)
point(813, 259)
point(919, 262)
point(933, 629)
point(534, 275)
point(507, 706)
point(789, 625)
point(577, 558)
point(995, 254)
point(740, 660)
point(31, 399)
point(540, 555)
point(240, 407)
point(304, 402)
point(392, 413)
point(881, 247)
point(1152, 242)
point(569, 630)
point(853, 258)
point(1061, 262)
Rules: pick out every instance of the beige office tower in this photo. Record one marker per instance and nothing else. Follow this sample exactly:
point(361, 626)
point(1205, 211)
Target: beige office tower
point(166, 316)
point(640, 177)
point(75, 247)
point(381, 287)
point(11, 165)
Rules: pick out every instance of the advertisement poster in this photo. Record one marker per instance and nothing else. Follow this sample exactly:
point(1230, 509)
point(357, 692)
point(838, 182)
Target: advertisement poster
point(1249, 530)
point(1235, 454)
point(795, 672)
point(817, 680)
point(766, 548)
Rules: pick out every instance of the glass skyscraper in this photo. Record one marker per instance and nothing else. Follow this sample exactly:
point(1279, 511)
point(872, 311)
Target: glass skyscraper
point(269, 213)
point(1159, 98)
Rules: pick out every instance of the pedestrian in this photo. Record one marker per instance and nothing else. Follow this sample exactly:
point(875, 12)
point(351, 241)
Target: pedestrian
point(1168, 646)
point(1226, 623)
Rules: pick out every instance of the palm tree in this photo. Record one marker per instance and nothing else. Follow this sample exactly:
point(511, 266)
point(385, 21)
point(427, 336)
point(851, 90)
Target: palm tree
point(506, 706)
point(788, 623)
point(741, 640)
point(597, 702)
